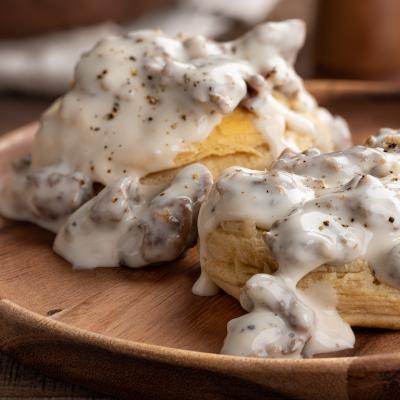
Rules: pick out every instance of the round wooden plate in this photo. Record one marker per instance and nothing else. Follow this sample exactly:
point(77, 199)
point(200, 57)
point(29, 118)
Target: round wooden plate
point(142, 333)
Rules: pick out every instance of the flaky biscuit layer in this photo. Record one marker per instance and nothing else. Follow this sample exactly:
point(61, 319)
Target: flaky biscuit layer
point(236, 141)
point(235, 251)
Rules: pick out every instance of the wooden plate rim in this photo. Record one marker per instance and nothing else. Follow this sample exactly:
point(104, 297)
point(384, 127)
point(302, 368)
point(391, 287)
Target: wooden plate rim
point(160, 353)
point(12, 315)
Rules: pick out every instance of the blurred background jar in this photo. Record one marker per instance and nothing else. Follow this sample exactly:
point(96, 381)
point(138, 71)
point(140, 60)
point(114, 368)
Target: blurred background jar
point(358, 39)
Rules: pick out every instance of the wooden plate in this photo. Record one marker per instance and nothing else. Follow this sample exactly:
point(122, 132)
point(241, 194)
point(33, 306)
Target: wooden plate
point(142, 333)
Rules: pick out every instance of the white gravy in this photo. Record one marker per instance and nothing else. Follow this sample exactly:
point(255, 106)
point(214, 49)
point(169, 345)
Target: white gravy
point(45, 196)
point(125, 224)
point(316, 209)
point(141, 99)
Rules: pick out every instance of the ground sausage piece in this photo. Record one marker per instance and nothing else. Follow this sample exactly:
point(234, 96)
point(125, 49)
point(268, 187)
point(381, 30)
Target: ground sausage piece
point(128, 224)
point(46, 196)
point(115, 201)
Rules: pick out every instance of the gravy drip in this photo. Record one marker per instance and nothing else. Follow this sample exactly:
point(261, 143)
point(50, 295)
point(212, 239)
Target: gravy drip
point(315, 209)
point(125, 224)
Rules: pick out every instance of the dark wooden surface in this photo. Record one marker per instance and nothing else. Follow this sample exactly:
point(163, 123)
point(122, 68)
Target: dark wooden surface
point(365, 113)
point(20, 382)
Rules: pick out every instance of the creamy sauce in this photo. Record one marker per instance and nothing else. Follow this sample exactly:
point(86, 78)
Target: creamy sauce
point(316, 209)
point(387, 139)
point(283, 321)
point(341, 139)
point(45, 196)
point(338, 168)
point(126, 224)
point(137, 102)
point(204, 286)
point(141, 99)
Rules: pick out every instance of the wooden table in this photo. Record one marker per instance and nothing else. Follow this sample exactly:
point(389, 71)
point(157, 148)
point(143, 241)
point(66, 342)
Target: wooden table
point(365, 112)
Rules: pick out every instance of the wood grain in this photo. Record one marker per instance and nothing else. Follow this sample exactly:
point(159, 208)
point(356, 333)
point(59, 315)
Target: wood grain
point(20, 382)
point(141, 332)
